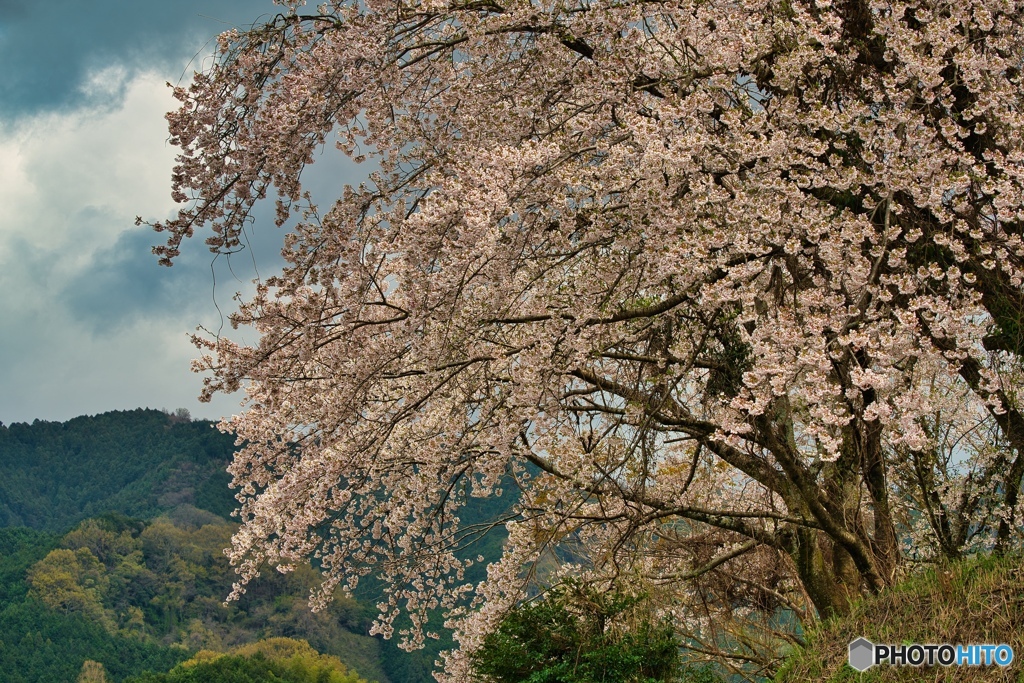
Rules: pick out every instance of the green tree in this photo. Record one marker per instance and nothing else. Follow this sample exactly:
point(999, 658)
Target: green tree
point(275, 660)
point(108, 545)
point(70, 581)
point(577, 634)
point(92, 672)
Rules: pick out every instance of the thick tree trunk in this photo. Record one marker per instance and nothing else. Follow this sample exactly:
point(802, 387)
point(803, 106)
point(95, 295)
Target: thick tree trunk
point(831, 579)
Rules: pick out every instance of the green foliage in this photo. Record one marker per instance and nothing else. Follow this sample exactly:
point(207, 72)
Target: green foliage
point(39, 645)
point(274, 660)
point(19, 550)
point(700, 673)
point(137, 463)
point(579, 635)
point(134, 594)
point(70, 581)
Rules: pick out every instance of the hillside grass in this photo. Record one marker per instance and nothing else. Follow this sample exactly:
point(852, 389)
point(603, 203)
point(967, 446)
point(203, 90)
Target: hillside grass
point(977, 600)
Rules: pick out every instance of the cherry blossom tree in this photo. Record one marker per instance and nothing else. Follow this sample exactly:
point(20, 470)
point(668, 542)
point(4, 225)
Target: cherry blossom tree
point(730, 293)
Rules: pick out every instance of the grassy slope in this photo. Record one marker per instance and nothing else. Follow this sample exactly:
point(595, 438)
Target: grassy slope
point(980, 600)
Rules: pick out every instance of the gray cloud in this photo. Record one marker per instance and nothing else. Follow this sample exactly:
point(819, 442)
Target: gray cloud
point(48, 48)
point(88, 321)
point(122, 282)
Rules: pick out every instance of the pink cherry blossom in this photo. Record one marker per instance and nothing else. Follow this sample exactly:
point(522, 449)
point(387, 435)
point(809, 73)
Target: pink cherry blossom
point(727, 292)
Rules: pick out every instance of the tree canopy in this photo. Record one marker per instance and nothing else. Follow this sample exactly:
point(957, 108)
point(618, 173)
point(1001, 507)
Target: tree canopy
point(274, 660)
point(577, 634)
point(116, 597)
point(730, 290)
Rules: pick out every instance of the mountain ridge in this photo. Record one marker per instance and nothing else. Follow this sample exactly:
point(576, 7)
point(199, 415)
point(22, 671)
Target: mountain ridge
point(139, 463)
point(124, 510)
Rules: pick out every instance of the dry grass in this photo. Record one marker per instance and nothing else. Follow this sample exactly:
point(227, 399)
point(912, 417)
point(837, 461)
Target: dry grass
point(980, 600)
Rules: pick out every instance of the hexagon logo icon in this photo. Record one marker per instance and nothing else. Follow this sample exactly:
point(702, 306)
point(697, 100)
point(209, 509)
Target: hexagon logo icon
point(862, 654)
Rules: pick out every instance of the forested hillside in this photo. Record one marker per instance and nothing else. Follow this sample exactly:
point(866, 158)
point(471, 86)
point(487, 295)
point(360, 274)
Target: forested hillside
point(137, 463)
point(137, 596)
point(111, 536)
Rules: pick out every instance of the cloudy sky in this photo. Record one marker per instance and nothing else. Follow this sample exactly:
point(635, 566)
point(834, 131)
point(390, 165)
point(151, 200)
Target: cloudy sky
point(88, 321)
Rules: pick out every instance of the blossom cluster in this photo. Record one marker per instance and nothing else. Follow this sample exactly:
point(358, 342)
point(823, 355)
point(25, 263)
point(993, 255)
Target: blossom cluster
point(726, 292)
